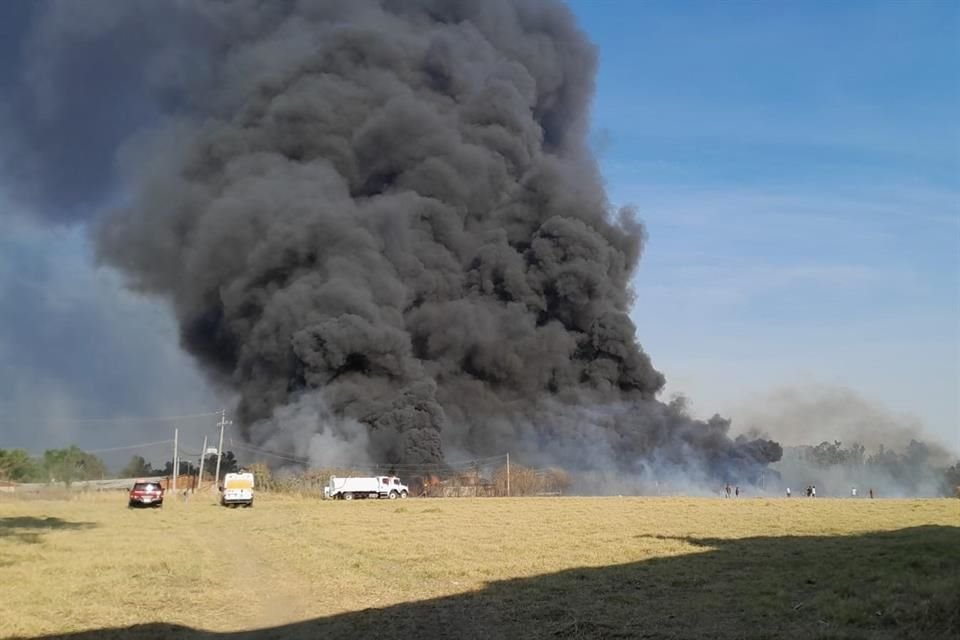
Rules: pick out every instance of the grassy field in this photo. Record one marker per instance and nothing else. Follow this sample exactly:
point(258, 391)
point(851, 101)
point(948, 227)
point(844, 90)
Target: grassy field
point(481, 568)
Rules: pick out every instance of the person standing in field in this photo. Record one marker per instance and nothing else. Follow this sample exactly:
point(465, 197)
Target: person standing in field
point(737, 491)
point(853, 492)
point(813, 491)
point(788, 492)
point(871, 494)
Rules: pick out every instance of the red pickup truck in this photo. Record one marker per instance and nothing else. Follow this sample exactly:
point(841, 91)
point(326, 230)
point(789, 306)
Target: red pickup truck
point(147, 494)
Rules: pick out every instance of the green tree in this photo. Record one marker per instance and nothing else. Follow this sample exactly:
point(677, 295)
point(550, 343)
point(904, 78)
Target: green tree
point(827, 454)
point(888, 461)
point(72, 464)
point(228, 464)
point(18, 465)
point(137, 467)
point(186, 469)
point(856, 454)
point(951, 480)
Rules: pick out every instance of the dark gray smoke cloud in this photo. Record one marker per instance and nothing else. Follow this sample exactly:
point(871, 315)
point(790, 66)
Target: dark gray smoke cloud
point(384, 215)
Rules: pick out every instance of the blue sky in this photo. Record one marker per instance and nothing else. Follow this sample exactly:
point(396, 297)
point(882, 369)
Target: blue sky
point(798, 169)
point(797, 165)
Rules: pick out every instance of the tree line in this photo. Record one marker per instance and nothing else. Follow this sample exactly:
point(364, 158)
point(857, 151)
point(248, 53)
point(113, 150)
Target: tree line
point(73, 464)
point(916, 465)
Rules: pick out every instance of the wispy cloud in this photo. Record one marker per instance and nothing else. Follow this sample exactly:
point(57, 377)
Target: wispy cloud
point(742, 290)
point(797, 206)
point(715, 285)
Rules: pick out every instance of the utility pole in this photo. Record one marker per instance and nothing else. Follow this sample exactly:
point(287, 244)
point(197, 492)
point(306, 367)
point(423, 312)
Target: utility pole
point(176, 458)
point(508, 474)
point(223, 423)
point(203, 454)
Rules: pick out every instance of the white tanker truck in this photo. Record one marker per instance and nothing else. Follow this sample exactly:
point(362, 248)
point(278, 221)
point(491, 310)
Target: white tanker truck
point(356, 488)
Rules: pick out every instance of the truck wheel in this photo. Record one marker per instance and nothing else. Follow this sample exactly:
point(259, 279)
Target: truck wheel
point(348, 496)
point(403, 494)
point(393, 495)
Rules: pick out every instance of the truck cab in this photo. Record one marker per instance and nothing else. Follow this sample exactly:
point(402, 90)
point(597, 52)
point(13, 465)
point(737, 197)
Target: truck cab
point(237, 490)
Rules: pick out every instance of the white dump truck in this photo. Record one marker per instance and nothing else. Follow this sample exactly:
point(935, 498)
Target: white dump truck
point(376, 487)
point(237, 490)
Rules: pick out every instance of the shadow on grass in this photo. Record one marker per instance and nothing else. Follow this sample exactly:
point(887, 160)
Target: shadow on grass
point(898, 584)
point(28, 529)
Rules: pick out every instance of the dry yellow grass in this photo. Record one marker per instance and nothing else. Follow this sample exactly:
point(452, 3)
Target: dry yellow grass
point(552, 567)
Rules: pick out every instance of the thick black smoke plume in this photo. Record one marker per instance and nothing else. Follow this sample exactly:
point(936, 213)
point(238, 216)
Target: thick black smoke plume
point(380, 223)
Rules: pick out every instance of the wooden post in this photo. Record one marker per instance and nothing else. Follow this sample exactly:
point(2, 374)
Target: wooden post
point(176, 458)
point(203, 454)
point(508, 475)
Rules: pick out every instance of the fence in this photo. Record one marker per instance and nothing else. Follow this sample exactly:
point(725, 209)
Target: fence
point(184, 482)
point(478, 478)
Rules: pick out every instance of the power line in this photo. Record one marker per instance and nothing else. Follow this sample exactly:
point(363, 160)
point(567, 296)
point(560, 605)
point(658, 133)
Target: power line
point(222, 424)
point(127, 448)
point(440, 465)
point(270, 453)
point(410, 467)
point(121, 419)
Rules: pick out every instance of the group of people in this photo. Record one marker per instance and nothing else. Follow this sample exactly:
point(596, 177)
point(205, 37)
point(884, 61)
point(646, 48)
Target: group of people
point(812, 491)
